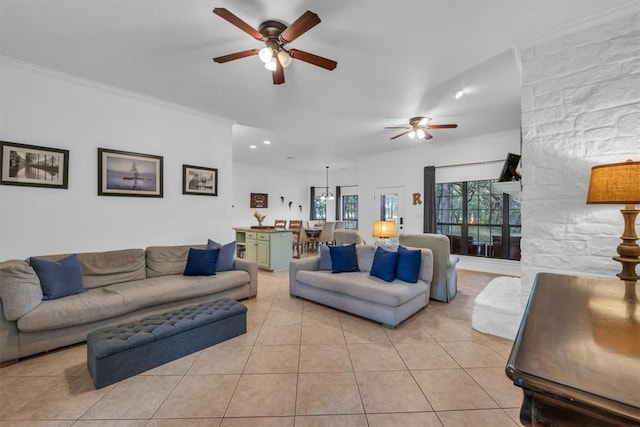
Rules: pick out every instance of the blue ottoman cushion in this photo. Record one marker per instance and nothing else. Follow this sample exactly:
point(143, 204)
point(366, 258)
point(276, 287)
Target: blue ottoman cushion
point(118, 352)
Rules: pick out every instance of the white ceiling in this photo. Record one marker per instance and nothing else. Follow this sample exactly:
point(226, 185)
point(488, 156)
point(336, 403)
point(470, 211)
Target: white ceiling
point(396, 59)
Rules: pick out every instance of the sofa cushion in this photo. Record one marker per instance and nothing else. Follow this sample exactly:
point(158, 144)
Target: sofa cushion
point(58, 279)
point(165, 289)
point(363, 286)
point(343, 258)
point(325, 257)
point(167, 260)
point(122, 298)
point(92, 305)
point(384, 264)
point(201, 262)
point(226, 256)
point(20, 289)
point(408, 268)
point(109, 267)
point(365, 256)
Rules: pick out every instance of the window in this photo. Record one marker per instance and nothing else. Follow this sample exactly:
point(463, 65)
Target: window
point(350, 211)
point(481, 216)
point(318, 208)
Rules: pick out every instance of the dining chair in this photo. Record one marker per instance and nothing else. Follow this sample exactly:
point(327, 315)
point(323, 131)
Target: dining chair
point(280, 224)
point(326, 235)
point(300, 239)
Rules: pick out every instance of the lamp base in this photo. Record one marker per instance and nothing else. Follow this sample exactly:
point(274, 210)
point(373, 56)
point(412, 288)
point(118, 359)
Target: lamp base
point(628, 250)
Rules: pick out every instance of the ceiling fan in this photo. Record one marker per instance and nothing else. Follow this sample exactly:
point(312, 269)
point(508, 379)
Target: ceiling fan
point(418, 128)
point(276, 36)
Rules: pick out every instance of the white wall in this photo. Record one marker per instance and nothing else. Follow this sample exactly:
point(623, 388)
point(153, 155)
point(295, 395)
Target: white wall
point(294, 186)
point(580, 108)
point(47, 108)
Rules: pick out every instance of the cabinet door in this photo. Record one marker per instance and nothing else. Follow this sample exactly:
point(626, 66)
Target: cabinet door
point(262, 254)
point(251, 250)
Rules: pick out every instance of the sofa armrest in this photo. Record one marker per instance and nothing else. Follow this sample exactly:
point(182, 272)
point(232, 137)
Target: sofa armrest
point(250, 267)
point(295, 265)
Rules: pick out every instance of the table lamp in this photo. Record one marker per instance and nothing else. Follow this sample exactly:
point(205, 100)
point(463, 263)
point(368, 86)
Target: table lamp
point(384, 229)
point(619, 183)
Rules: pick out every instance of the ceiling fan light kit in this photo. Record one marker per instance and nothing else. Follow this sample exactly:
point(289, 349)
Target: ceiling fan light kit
point(275, 36)
point(418, 128)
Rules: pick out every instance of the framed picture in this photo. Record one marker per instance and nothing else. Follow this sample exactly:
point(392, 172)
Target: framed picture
point(34, 166)
point(259, 200)
point(121, 173)
point(199, 180)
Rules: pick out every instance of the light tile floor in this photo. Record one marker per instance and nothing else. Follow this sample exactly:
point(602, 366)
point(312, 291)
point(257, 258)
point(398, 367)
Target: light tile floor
point(299, 364)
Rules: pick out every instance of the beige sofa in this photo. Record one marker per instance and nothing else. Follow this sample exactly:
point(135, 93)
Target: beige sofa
point(360, 293)
point(445, 279)
point(123, 285)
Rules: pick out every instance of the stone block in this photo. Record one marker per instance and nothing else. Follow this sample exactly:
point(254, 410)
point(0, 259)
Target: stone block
point(543, 115)
point(629, 124)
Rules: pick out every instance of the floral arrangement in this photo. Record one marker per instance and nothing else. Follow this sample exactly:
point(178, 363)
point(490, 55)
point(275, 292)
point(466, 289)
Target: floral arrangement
point(259, 217)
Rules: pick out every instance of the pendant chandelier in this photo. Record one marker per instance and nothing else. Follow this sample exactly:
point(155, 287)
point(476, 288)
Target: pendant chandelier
point(327, 195)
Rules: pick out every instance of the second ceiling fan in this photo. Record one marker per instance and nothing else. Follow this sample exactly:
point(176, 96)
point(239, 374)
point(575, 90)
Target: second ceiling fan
point(276, 36)
point(418, 128)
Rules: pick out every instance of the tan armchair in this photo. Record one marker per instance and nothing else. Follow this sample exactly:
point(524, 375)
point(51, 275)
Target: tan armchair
point(346, 237)
point(445, 279)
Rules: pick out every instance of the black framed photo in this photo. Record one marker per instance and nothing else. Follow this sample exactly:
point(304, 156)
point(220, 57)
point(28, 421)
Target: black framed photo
point(199, 181)
point(121, 173)
point(33, 166)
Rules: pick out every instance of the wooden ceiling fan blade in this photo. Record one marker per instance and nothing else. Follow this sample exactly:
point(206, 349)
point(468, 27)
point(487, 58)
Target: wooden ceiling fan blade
point(316, 60)
point(234, 20)
point(400, 134)
point(447, 126)
point(278, 74)
point(397, 127)
point(304, 23)
point(236, 55)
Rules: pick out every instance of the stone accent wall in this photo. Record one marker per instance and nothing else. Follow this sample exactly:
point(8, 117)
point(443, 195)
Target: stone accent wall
point(580, 108)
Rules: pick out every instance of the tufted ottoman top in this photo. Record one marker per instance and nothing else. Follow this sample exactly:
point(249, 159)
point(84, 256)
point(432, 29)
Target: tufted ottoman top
point(114, 339)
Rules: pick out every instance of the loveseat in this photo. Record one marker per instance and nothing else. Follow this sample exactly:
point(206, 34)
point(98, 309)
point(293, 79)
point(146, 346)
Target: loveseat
point(120, 286)
point(360, 293)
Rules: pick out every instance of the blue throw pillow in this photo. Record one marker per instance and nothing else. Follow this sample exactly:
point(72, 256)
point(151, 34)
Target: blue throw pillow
point(325, 257)
point(408, 269)
point(226, 256)
point(384, 264)
point(343, 258)
point(58, 279)
point(201, 262)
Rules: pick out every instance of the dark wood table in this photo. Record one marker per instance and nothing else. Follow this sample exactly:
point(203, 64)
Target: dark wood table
point(577, 353)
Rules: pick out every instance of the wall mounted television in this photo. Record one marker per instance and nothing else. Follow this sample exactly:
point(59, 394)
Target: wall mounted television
point(509, 169)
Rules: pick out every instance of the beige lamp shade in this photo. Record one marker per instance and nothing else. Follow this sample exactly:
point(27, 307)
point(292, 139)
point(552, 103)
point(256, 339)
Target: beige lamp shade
point(615, 183)
point(384, 229)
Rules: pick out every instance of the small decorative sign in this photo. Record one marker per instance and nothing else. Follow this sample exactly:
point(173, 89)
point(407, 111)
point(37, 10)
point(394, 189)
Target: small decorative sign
point(417, 198)
point(259, 200)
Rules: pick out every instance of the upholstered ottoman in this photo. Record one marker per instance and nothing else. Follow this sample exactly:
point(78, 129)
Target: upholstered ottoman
point(118, 352)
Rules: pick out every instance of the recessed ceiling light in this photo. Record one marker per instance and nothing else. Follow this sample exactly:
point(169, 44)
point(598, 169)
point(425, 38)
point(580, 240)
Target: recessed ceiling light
point(267, 142)
point(459, 94)
point(253, 147)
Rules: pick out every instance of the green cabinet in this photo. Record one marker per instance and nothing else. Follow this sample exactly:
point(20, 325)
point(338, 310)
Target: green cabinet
point(271, 249)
